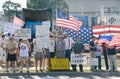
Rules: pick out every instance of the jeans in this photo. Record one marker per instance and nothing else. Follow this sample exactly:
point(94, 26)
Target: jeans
point(99, 62)
point(105, 54)
point(68, 53)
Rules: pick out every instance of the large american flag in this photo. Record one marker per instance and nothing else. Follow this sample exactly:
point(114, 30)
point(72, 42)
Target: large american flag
point(65, 20)
point(106, 30)
point(85, 34)
point(18, 21)
point(110, 40)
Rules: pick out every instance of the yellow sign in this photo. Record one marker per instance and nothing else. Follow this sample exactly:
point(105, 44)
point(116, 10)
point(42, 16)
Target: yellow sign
point(60, 64)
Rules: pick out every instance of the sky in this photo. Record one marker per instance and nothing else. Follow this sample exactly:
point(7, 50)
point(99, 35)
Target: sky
point(22, 2)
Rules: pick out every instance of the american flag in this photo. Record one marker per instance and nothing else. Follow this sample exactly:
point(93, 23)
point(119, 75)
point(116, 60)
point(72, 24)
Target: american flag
point(110, 40)
point(85, 34)
point(65, 20)
point(106, 30)
point(18, 21)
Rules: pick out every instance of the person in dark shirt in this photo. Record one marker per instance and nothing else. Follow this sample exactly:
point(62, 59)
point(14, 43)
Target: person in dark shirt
point(78, 49)
point(93, 50)
point(112, 58)
point(105, 54)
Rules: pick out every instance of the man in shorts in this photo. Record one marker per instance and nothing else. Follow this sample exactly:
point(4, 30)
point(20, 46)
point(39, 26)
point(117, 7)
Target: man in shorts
point(12, 48)
point(38, 53)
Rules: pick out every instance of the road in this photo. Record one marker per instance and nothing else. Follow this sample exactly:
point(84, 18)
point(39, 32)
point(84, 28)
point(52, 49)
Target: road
point(62, 75)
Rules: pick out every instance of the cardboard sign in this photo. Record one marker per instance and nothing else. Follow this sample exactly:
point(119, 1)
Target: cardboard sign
point(23, 34)
point(78, 59)
point(60, 64)
point(93, 61)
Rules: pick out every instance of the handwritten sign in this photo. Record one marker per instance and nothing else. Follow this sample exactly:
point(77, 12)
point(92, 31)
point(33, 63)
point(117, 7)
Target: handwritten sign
point(23, 34)
point(78, 59)
point(10, 27)
point(93, 61)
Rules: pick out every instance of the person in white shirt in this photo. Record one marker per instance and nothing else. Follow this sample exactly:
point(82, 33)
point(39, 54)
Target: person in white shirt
point(3, 43)
point(38, 55)
point(52, 46)
point(24, 55)
point(98, 55)
point(69, 42)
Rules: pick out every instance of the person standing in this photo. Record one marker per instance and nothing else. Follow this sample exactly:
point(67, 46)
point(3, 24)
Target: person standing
point(11, 49)
point(60, 47)
point(105, 54)
point(3, 43)
point(98, 55)
point(93, 50)
point(78, 49)
point(112, 58)
point(24, 54)
point(69, 42)
point(46, 53)
point(38, 53)
point(52, 46)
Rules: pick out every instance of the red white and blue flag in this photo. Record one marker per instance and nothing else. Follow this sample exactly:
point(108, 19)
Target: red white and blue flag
point(65, 20)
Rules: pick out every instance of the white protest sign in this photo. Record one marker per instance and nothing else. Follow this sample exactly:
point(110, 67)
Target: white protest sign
point(46, 23)
point(93, 61)
point(42, 30)
point(78, 59)
point(23, 34)
point(43, 42)
point(10, 27)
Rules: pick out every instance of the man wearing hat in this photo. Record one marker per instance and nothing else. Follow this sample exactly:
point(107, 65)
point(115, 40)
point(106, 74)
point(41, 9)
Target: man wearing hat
point(93, 50)
point(68, 45)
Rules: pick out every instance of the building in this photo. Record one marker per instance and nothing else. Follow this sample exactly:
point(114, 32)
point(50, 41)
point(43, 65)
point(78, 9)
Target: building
point(92, 8)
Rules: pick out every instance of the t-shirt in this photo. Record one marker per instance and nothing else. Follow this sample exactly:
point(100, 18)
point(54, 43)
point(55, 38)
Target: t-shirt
point(78, 47)
point(12, 47)
point(24, 48)
point(52, 46)
point(37, 45)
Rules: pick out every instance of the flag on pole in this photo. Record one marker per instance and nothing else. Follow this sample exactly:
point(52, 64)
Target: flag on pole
point(18, 21)
point(65, 20)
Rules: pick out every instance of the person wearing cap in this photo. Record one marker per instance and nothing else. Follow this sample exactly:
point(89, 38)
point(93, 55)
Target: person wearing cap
point(93, 50)
point(24, 54)
point(69, 42)
point(3, 43)
point(11, 49)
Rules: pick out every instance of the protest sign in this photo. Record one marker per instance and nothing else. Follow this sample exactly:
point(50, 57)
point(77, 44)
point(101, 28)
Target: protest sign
point(10, 27)
point(60, 64)
point(93, 61)
point(78, 59)
point(23, 34)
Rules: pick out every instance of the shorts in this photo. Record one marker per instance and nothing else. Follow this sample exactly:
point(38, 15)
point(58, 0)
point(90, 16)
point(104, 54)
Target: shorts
point(38, 56)
point(47, 54)
point(23, 58)
point(11, 57)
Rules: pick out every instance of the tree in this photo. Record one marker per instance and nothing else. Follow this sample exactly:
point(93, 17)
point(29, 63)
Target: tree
point(10, 9)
